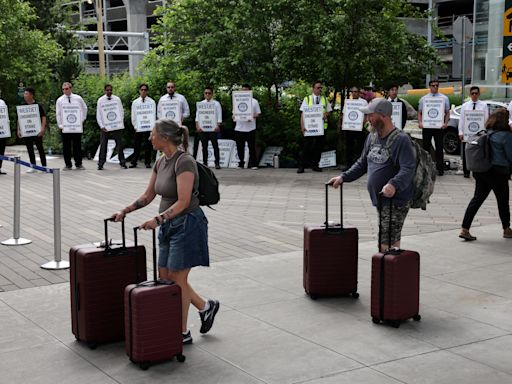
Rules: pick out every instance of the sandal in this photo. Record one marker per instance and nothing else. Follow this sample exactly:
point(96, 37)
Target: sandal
point(464, 234)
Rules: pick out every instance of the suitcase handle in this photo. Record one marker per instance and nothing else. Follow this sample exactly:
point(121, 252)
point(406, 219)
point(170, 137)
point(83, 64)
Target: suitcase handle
point(135, 229)
point(327, 206)
point(107, 243)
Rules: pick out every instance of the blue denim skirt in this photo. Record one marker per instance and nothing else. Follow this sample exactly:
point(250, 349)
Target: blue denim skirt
point(183, 242)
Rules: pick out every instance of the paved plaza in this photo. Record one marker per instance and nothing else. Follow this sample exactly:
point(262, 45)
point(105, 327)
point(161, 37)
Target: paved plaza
point(268, 330)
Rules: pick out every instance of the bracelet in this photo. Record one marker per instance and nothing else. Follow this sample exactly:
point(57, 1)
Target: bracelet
point(156, 220)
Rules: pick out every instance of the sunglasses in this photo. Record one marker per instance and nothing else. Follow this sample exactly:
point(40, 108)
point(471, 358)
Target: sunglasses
point(170, 87)
point(435, 85)
point(474, 93)
point(65, 89)
point(144, 89)
point(207, 93)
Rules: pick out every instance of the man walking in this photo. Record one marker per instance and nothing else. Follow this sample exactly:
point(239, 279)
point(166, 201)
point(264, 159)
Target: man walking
point(388, 159)
point(173, 105)
point(429, 131)
point(245, 132)
point(110, 118)
point(208, 121)
point(71, 113)
point(143, 119)
point(312, 145)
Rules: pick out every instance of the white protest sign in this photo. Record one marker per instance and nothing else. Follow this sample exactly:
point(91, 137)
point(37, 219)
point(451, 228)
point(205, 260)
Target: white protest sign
point(71, 118)
point(144, 116)
point(352, 117)
point(327, 159)
point(29, 120)
point(206, 116)
point(267, 160)
point(171, 110)
point(433, 112)
point(235, 160)
point(396, 115)
point(313, 120)
point(5, 130)
point(225, 151)
point(112, 116)
point(474, 121)
point(242, 105)
point(127, 153)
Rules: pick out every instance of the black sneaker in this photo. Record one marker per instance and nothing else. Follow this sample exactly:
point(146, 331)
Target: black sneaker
point(100, 167)
point(123, 166)
point(300, 170)
point(187, 338)
point(133, 165)
point(316, 169)
point(148, 165)
point(208, 316)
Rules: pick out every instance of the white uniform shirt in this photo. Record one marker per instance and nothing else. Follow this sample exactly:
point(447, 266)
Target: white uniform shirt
point(468, 106)
point(248, 126)
point(101, 101)
point(509, 108)
point(71, 99)
point(139, 101)
point(185, 110)
point(218, 110)
point(328, 107)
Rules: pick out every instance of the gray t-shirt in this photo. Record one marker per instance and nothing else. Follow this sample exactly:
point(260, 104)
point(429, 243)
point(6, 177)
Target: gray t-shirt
point(166, 171)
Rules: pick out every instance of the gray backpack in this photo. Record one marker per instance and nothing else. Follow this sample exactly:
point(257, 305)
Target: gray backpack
point(478, 152)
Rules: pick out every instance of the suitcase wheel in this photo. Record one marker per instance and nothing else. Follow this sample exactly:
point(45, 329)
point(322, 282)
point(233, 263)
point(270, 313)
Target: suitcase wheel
point(92, 345)
point(375, 320)
point(312, 296)
point(416, 317)
point(144, 365)
point(355, 295)
point(181, 358)
point(395, 324)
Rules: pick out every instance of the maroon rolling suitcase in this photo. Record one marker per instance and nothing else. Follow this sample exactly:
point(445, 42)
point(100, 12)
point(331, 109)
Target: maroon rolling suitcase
point(98, 276)
point(330, 257)
point(395, 290)
point(152, 311)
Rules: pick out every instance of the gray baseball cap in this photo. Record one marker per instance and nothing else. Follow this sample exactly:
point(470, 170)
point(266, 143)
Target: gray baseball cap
point(379, 105)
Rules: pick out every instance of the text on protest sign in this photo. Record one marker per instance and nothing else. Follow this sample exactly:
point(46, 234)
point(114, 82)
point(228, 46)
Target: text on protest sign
point(313, 120)
point(5, 130)
point(206, 116)
point(474, 122)
point(112, 116)
point(29, 120)
point(144, 116)
point(352, 117)
point(71, 118)
point(171, 110)
point(433, 112)
point(396, 115)
point(242, 105)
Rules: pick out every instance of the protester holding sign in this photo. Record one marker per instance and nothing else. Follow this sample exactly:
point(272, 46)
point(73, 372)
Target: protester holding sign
point(173, 105)
point(208, 121)
point(433, 117)
point(352, 126)
point(399, 116)
point(5, 130)
point(143, 119)
point(110, 118)
point(71, 113)
point(32, 126)
point(314, 137)
point(473, 116)
point(245, 129)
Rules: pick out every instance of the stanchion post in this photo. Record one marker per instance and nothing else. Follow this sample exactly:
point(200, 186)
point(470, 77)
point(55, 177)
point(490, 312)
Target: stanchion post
point(57, 263)
point(16, 240)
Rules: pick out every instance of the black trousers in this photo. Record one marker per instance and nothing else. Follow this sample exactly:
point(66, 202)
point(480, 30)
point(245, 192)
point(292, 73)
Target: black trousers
point(463, 153)
point(38, 141)
point(427, 135)
point(354, 144)
point(485, 183)
point(311, 151)
point(2, 148)
point(72, 140)
point(142, 138)
point(209, 136)
point(241, 138)
point(117, 135)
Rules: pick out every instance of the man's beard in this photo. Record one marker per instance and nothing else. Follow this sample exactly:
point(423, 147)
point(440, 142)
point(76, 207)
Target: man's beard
point(378, 125)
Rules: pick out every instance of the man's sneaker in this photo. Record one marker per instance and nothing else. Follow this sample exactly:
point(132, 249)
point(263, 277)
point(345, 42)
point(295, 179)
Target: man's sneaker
point(133, 165)
point(187, 338)
point(148, 165)
point(254, 168)
point(80, 167)
point(208, 316)
point(123, 166)
point(67, 168)
point(507, 233)
point(100, 167)
point(31, 170)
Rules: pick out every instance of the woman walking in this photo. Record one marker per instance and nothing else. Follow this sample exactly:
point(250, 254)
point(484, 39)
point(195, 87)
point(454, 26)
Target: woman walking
point(496, 179)
point(183, 234)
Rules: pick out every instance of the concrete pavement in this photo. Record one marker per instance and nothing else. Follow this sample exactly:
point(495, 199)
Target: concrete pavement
point(267, 330)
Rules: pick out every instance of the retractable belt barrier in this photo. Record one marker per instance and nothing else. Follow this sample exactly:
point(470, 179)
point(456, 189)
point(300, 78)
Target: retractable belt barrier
point(57, 263)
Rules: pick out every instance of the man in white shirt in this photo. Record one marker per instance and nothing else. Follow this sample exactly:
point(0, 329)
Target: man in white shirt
point(393, 97)
point(354, 140)
point(110, 118)
point(173, 95)
point(146, 105)
point(436, 133)
point(472, 105)
point(71, 140)
point(312, 145)
point(3, 140)
point(207, 134)
point(245, 132)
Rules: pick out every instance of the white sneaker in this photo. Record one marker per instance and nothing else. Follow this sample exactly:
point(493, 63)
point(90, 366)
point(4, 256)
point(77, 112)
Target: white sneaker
point(254, 167)
point(31, 170)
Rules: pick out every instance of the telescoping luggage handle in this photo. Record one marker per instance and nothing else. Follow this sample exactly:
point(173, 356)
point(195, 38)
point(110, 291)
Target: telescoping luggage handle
point(327, 206)
point(107, 243)
point(380, 207)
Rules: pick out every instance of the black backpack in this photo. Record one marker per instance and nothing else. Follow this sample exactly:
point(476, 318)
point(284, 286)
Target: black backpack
point(478, 152)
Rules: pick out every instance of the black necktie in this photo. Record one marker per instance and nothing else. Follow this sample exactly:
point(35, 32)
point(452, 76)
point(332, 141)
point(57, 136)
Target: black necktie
point(171, 96)
point(69, 99)
point(109, 98)
point(316, 100)
point(474, 106)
